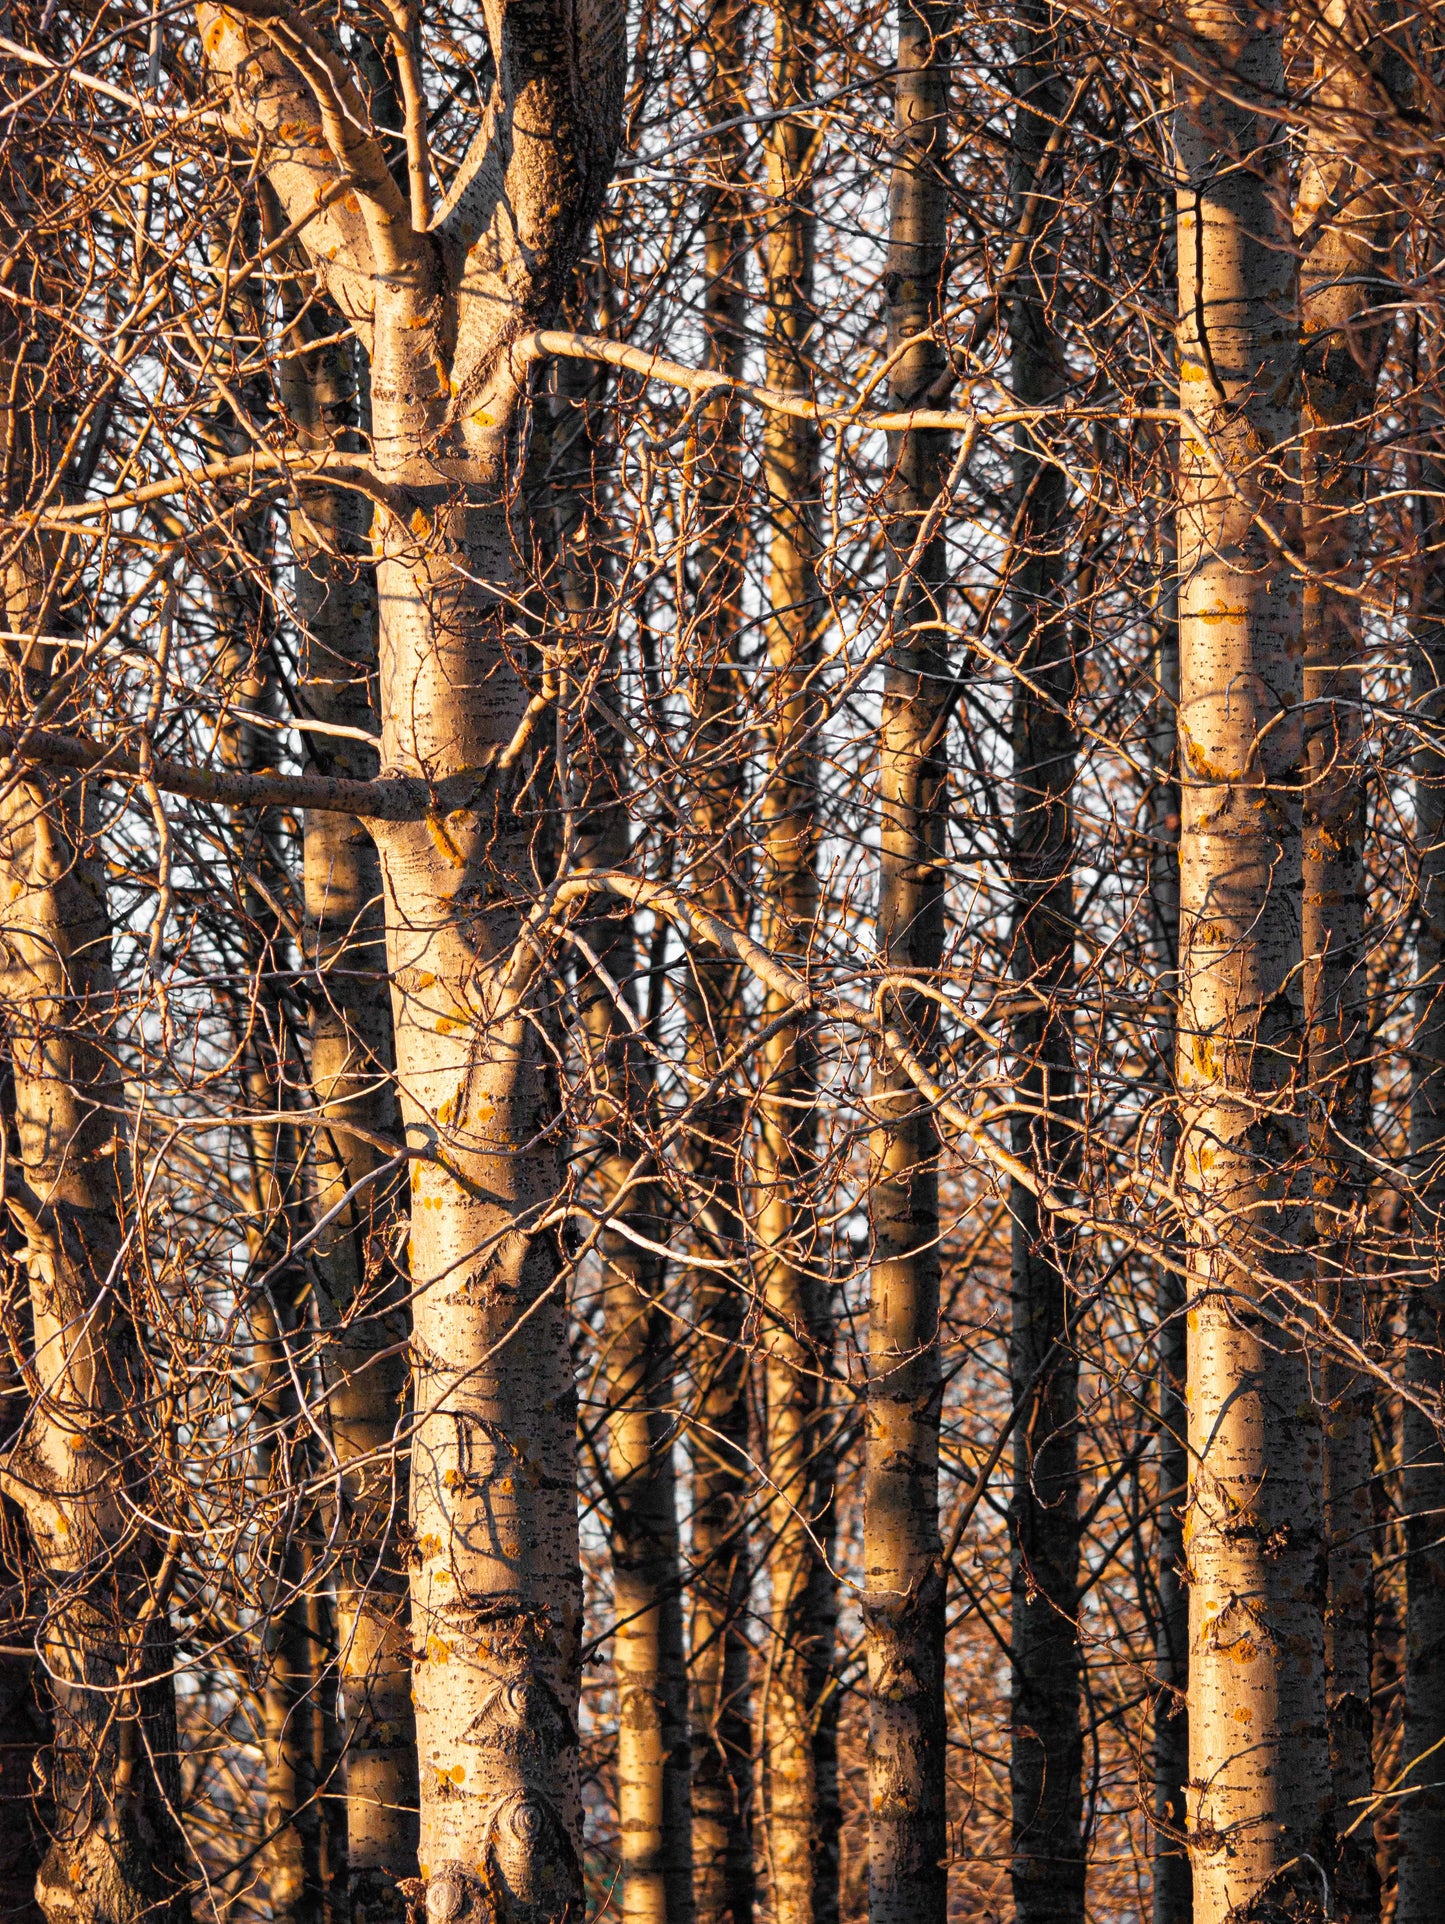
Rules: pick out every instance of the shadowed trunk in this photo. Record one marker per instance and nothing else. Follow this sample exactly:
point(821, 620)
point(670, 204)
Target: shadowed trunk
point(1047, 1745)
point(798, 1712)
point(720, 1652)
point(24, 1715)
point(903, 1597)
point(653, 1776)
point(362, 1309)
point(1422, 1480)
point(1341, 292)
point(1173, 1883)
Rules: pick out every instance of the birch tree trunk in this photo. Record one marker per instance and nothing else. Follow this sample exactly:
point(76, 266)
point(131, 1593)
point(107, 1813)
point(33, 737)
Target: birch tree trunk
point(1047, 1752)
point(903, 1595)
point(496, 1591)
point(719, 1648)
point(1341, 294)
point(79, 1470)
point(798, 1710)
point(1422, 1814)
point(1259, 1760)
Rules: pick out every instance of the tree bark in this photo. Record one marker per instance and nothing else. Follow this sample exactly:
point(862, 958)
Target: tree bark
point(80, 1468)
point(1259, 1762)
point(799, 1709)
point(496, 1591)
point(1172, 1898)
point(363, 1310)
point(24, 1720)
point(289, 1686)
point(1046, 1758)
point(1341, 291)
point(1421, 1845)
point(720, 1650)
point(653, 1774)
point(903, 1594)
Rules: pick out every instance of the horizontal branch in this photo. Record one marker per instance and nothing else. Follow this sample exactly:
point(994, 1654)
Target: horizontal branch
point(299, 464)
point(390, 798)
point(555, 343)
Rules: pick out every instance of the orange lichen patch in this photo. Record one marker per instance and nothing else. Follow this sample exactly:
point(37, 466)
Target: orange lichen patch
point(436, 828)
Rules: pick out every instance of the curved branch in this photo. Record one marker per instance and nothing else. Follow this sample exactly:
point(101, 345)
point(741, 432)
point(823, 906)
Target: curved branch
point(293, 463)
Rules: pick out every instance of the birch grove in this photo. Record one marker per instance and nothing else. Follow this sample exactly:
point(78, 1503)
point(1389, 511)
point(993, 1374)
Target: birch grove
point(722, 786)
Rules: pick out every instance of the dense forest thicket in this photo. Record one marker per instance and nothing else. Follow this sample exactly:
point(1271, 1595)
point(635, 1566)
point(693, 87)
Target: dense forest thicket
point(722, 961)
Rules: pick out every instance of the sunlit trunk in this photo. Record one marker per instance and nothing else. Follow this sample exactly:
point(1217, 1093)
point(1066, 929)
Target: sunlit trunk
point(496, 1581)
point(1259, 1759)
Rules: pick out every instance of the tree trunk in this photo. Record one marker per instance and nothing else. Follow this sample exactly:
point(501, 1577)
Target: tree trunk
point(720, 1651)
point(77, 1470)
point(1422, 1814)
point(1173, 1890)
point(1341, 293)
point(24, 1720)
point(496, 1588)
point(80, 1468)
point(269, 1072)
point(290, 1686)
point(1047, 1748)
point(363, 1308)
point(1259, 1761)
point(798, 1710)
point(653, 1776)
point(903, 1596)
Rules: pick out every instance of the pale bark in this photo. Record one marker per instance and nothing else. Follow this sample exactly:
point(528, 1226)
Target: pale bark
point(1046, 1758)
point(496, 1591)
point(903, 1597)
point(362, 1306)
point(719, 1649)
point(1259, 1759)
point(798, 1709)
point(1341, 287)
point(80, 1468)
